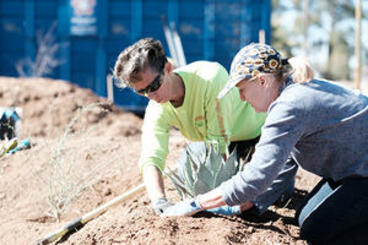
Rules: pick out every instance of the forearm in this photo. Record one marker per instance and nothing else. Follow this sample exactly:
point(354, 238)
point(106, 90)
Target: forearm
point(211, 199)
point(154, 182)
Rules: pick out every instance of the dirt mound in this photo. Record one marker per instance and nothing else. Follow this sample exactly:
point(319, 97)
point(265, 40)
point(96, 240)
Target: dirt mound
point(50, 105)
point(84, 153)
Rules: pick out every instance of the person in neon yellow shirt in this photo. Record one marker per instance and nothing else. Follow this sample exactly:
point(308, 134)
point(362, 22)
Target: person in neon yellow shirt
point(186, 99)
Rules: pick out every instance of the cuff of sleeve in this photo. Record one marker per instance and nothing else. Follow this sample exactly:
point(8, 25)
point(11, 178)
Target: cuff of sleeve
point(228, 194)
point(225, 195)
point(150, 163)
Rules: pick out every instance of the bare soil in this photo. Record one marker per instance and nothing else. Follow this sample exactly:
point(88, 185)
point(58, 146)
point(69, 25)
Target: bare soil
point(85, 152)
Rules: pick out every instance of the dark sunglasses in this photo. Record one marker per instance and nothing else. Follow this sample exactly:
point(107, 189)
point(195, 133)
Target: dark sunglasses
point(153, 86)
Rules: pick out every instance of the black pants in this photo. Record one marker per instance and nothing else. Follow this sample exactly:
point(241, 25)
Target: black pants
point(243, 147)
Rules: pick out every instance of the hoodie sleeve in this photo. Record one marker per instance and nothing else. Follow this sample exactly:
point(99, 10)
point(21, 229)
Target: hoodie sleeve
point(283, 128)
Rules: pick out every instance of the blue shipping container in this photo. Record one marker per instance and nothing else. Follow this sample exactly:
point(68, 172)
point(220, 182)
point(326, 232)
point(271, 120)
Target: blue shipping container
point(86, 36)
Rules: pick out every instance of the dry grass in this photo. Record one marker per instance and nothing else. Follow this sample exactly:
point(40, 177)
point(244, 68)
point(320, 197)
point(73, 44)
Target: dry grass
point(65, 182)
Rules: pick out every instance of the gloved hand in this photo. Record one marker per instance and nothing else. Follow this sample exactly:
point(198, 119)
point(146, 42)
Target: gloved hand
point(183, 208)
point(225, 210)
point(160, 205)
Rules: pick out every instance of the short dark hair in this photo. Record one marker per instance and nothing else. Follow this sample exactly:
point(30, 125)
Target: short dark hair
point(147, 52)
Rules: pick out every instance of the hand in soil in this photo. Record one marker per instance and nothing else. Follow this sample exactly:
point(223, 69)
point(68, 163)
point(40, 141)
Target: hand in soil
point(160, 205)
point(183, 208)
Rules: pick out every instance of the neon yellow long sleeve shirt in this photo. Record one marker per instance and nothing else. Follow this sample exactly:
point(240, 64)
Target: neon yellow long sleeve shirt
point(201, 117)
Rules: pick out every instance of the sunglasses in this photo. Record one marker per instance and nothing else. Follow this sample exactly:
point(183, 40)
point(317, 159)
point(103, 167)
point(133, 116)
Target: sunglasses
point(153, 86)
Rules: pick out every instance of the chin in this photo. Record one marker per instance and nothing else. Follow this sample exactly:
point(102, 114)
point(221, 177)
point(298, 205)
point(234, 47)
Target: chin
point(161, 101)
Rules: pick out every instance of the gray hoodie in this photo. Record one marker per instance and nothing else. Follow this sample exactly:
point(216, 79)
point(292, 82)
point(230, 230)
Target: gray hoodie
point(322, 126)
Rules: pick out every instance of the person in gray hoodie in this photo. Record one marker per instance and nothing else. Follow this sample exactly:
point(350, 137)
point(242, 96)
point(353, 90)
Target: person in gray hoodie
point(320, 125)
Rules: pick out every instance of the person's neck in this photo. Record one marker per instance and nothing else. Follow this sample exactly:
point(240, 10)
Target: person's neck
point(178, 90)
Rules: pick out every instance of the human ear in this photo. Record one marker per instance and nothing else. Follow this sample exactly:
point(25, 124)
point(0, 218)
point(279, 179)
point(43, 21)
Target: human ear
point(262, 79)
point(168, 67)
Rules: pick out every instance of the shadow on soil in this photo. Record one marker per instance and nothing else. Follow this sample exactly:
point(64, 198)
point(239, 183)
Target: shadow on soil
point(250, 218)
point(269, 218)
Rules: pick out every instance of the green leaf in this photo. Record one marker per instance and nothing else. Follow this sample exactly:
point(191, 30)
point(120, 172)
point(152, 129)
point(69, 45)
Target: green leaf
point(177, 186)
point(227, 170)
point(205, 175)
point(219, 177)
point(178, 183)
point(231, 164)
point(204, 172)
point(194, 161)
point(214, 162)
point(188, 175)
point(200, 187)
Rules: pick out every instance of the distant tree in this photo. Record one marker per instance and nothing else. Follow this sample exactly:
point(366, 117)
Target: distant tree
point(333, 18)
point(338, 43)
point(280, 38)
point(45, 60)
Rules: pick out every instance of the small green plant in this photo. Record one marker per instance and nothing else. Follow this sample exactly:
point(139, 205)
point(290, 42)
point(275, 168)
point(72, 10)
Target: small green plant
point(206, 172)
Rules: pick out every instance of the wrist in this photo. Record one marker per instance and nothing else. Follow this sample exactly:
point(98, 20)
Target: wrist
point(196, 202)
point(159, 200)
point(199, 201)
point(196, 207)
point(212, 199)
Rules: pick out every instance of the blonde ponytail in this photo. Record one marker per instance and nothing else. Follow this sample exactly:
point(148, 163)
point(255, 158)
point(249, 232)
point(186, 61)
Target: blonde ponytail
point(301, 70)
